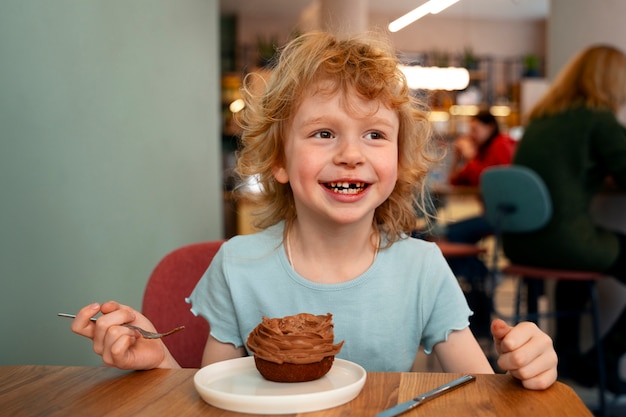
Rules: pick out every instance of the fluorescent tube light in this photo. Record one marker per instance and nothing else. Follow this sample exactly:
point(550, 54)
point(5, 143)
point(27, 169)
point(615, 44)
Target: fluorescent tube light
point(438, 5)
point(431, 6)
point(436, 78)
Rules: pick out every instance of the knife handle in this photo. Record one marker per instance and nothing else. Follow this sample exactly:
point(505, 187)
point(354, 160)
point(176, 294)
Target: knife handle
point(422, 398)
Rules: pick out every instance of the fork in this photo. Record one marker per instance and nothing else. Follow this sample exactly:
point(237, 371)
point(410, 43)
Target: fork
point(144, 333)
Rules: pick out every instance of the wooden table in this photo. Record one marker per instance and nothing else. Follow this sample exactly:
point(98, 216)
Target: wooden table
point(37, 390)
point(447, 189)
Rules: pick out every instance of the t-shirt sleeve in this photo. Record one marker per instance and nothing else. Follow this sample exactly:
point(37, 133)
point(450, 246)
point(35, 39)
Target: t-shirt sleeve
point(449, 310)
point(212, 300)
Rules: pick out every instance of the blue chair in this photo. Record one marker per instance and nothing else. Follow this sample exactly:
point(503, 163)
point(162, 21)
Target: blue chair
point(517, 201)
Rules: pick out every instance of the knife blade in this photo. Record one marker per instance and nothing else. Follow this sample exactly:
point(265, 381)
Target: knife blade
point(427, 396)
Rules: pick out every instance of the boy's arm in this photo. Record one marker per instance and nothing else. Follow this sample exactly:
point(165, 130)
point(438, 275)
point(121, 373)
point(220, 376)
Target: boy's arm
point(462, 353)
point(216, 351)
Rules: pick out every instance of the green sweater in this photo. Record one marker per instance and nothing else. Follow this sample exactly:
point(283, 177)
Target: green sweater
point(574, 152)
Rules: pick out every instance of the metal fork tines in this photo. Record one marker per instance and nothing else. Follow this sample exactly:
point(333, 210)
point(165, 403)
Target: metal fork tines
point(144, 333)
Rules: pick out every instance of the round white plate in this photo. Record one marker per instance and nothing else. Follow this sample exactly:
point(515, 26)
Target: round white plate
point(237, 385)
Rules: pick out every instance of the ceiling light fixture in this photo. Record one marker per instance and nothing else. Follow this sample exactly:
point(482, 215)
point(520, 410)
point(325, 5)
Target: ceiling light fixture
point(435, 78)
point(431, 6)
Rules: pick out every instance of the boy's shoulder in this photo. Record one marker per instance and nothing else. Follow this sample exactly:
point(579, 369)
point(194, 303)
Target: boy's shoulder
point(256, 243)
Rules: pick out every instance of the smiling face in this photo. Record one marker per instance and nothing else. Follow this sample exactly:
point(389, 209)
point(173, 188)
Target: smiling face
point(341, 157)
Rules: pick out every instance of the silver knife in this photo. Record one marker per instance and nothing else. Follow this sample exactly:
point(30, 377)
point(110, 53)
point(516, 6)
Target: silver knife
point(421, 399)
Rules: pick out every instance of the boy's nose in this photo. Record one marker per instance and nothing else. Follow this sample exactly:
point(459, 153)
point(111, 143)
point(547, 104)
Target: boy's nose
point(349, 152)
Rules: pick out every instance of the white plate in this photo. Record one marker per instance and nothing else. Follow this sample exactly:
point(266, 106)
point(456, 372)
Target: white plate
point(237, 385)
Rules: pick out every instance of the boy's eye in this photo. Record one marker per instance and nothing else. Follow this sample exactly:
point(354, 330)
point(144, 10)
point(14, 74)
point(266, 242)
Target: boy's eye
point(374, 135)
point(323, 134)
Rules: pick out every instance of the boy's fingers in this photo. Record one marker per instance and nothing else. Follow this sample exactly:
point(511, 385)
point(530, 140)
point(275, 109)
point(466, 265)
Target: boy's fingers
point(82, 323)
point(499, 328)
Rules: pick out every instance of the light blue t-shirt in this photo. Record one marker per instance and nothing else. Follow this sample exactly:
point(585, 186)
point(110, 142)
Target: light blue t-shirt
point(407, 298)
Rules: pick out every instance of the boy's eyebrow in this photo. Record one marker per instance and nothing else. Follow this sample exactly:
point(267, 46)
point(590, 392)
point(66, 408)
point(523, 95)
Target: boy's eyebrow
point(381, 120)
point(314, 120)
point(324, 118)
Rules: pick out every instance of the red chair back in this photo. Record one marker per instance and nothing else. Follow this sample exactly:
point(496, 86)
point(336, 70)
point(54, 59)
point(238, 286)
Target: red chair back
point(164, 304)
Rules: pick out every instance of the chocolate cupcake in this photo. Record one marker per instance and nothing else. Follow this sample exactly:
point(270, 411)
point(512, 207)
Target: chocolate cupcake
point(294, 348)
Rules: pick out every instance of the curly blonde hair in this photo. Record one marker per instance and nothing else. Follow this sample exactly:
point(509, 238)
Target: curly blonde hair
point(593, 78)
point(365, 64)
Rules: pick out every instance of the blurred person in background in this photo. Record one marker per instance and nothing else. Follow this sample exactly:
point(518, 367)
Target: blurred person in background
point(576, 144)
point(483, 147)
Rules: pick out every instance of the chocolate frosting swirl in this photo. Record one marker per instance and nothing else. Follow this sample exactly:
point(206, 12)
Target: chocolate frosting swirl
point(300, 339)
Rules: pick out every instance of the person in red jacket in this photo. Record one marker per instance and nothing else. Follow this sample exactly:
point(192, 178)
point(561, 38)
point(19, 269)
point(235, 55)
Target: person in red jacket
point(484, 147)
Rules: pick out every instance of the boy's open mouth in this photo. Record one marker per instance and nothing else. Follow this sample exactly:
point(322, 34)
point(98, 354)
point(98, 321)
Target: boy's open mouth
point(346, 187)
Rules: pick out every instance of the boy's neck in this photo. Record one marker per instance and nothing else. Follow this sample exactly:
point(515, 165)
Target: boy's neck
point(331, 256)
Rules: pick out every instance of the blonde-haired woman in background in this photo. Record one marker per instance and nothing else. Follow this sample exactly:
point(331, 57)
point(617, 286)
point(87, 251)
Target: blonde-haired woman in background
point(575, 142)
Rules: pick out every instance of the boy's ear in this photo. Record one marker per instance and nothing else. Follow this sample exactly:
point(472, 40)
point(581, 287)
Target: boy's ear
point(280, 173)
